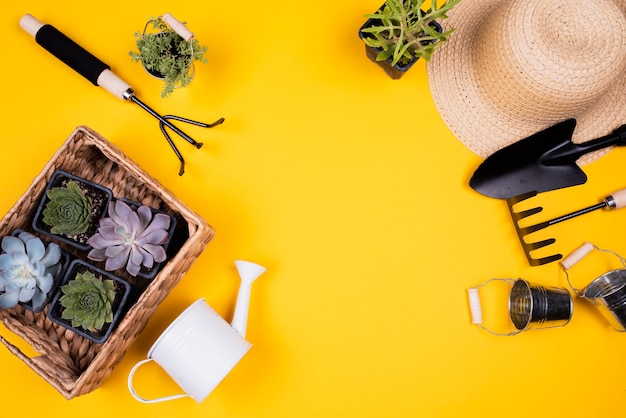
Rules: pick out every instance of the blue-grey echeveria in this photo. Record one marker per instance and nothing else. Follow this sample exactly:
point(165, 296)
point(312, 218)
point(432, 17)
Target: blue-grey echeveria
point(26, 267)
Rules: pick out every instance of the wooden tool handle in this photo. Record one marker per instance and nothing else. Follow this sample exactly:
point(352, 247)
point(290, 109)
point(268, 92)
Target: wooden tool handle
point(178, 27)
point(30, 24)
point(617, 200)
point(114, 85)
point(474, 304)
point(577, 255)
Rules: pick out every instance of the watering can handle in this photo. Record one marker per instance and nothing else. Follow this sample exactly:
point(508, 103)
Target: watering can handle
point(178, 27)
point(577, 255)
point(144, 400)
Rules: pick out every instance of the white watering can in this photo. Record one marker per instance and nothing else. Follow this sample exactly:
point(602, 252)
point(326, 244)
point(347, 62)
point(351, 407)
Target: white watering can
point(200, 348)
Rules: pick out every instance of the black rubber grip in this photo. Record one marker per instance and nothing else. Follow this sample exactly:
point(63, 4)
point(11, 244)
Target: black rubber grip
point(72, 54)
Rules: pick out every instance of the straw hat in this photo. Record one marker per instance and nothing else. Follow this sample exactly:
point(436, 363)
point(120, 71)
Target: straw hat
point(515, 67)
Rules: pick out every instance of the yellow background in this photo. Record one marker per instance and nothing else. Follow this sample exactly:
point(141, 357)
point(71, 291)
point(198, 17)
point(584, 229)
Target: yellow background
point(349, 188)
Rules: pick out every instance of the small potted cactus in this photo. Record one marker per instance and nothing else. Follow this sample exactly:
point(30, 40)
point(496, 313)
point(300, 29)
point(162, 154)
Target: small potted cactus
point(71, 208)
point(90, 301)
point(30, 271)
point(133, 237)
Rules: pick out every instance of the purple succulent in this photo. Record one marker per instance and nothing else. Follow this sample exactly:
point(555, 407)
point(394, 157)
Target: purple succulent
point(129, 238)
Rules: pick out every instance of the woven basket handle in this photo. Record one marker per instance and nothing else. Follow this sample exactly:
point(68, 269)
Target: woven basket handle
point(17, 352)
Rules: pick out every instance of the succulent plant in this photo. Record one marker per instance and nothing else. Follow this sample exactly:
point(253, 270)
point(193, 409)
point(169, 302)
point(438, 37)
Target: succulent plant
point(27, 268)
point(88, 301)
point(69, 209)
point(403, 30)
point(167, 55)
point(130, 238)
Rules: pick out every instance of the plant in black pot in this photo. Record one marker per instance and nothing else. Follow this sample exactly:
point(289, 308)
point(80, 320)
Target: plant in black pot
point(133, 237)
point(90, 302)
point(401, 32)
point(70, 208)
point(168, 52)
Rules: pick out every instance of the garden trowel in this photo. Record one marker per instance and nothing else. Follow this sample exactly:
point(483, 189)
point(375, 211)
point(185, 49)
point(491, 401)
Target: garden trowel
point(544, 161)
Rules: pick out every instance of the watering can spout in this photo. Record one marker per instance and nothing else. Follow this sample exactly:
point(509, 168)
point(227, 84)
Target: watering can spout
point(248, 272)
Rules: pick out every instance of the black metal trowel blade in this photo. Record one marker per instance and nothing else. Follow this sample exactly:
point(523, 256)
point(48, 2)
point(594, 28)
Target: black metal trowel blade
point(543, 161)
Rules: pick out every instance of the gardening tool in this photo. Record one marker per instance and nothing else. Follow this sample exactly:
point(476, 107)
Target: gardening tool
point(544, 161)
point(199, 348)
point(616, 200)
point(100, 74)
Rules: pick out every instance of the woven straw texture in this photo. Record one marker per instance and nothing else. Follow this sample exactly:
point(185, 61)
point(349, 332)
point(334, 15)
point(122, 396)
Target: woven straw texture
point(69, 362)
point(513, 68)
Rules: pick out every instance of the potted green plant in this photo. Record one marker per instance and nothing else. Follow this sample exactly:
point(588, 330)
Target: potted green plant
point(30, 271)
point(90, 301)
point(401, 32)
point(133, 237)
point(70, 209)
point(167, 55)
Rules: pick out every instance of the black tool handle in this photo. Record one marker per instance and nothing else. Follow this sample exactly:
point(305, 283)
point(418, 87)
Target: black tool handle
point(571, 152)
point(75, 56)
point(72, 54)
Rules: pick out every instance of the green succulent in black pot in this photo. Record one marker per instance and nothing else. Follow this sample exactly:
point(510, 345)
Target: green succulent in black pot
point(88, 301)
point(68, 211)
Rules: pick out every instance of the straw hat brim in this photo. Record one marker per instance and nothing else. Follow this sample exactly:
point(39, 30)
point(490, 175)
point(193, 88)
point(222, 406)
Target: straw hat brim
point(478, 123)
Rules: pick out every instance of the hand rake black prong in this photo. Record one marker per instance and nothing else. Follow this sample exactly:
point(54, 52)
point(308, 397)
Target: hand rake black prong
point(164, 121)
point(613, 201)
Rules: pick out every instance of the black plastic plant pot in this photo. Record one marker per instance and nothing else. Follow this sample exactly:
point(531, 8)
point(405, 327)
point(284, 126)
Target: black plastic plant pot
point(99, 195)
point(57, 276)
point(395, 71)
point(150, 273)
point(122, 292)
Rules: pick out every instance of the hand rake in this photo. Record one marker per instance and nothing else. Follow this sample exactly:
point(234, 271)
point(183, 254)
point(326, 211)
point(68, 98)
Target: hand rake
point(100, 74)
point(616, 200)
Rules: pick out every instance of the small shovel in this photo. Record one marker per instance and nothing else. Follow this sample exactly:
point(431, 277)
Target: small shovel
point(544, 161)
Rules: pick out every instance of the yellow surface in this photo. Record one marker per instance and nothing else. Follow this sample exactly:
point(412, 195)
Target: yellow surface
point(349, 188)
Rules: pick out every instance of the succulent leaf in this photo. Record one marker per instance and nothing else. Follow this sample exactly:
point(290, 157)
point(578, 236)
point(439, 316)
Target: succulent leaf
point(130, 238)
point(87, 301)
point(26, 268)
point(69, 209)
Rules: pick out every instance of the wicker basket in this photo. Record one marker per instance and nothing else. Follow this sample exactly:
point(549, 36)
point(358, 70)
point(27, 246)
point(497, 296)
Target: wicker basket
point(69, 362)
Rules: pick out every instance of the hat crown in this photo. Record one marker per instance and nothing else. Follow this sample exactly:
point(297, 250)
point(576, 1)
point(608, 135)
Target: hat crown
point(552, 59)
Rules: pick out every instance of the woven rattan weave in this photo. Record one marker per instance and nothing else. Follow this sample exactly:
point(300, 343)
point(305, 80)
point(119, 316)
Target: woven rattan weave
point(69, 362)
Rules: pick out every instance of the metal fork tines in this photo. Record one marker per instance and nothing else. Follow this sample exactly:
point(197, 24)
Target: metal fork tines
point(528, 247)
